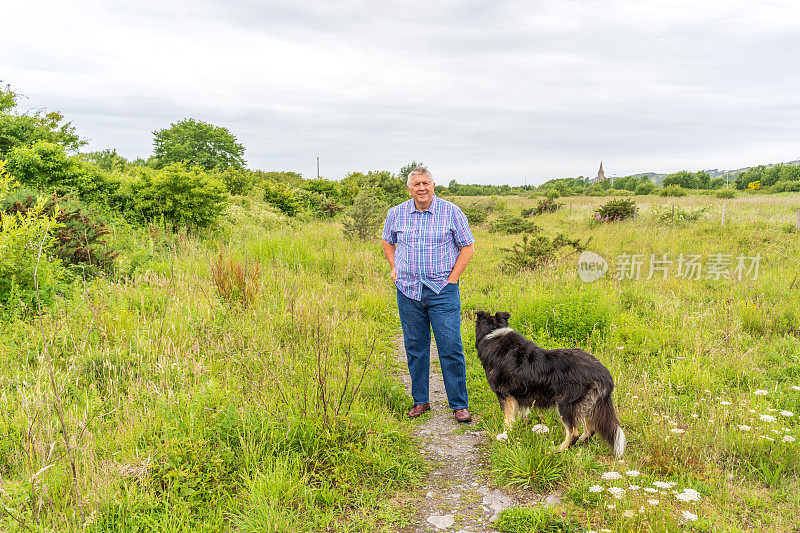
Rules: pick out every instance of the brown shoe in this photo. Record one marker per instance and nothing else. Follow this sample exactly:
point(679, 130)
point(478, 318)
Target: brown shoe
point(462, 416)
point(418, 410)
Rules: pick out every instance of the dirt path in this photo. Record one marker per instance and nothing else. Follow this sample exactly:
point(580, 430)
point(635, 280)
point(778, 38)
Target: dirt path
point(456, 496)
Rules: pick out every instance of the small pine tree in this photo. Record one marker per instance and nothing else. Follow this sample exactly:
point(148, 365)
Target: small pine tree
point(365, 216)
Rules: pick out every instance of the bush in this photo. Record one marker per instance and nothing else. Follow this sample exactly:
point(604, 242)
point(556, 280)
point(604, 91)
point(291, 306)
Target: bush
point(729, 193)
point(78, 241)
point(281, 196)
point(179, 195)
point(236, 181)
point(513, 224)
point(475, 215)
point(545, 205)
point(644, 188)
point(787, 186)
point(676, 213)
point(539, 252)
point(46, 166)
point(319, 205)
point(672, 190)
point(552, 194)
point(619, 209)
point(365, 216)
point(22, 267)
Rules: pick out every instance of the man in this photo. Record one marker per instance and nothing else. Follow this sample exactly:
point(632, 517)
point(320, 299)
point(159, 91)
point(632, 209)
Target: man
point(428, 244)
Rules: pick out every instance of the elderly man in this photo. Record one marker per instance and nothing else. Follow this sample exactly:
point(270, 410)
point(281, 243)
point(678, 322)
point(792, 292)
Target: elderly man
point(428, 244)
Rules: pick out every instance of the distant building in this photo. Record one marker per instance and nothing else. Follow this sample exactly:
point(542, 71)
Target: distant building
point(601, 176)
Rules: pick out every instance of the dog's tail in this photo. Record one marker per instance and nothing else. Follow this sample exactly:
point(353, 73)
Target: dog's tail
point(605, 422)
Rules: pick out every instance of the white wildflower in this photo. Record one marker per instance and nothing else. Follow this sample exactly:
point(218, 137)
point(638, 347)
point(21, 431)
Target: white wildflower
point(617, 492)
point(689, 517)
point(540, 428)
point(595, 488)
point(688, 495)
point(788, 438)
point(678, 431)
point(767, 418)
point(724, 403)
point(786, 413)
point(611, 475)
point(502, 437)
point(760, 392)
point(663, 484)
point(652, 502)
point(627, 514)
point(634, 487)
point(768, 438)
point(650, 489)
point(632, 473)
point(611, 506)
point(744, 428)
point(795, 387)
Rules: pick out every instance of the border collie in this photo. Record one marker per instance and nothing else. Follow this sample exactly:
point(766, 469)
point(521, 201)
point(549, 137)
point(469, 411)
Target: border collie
point(523, 375)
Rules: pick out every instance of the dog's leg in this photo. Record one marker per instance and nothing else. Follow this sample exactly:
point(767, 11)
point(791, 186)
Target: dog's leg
point(571, 429)
point(588, 429)
point(510, 409)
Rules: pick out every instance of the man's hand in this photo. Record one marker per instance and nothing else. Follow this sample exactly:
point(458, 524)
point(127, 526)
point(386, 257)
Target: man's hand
point(464, 255)
point(393, 274)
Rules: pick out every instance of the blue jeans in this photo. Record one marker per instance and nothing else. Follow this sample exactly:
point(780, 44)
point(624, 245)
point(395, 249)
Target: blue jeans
point(442, 312)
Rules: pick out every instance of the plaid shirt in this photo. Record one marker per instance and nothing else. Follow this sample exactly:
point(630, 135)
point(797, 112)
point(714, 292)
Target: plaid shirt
point(427, 244)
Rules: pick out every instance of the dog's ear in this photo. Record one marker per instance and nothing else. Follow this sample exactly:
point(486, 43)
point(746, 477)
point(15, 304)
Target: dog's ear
point(481, 314)
point(502, 315)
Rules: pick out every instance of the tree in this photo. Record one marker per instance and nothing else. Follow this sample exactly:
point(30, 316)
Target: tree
point(182, 196)
point(366, 215)
point(406, 170)
point(108, 160)
point(197, 143)
point(22, 129)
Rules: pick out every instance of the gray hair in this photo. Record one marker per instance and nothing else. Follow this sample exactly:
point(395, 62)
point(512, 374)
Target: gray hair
point(419, 171)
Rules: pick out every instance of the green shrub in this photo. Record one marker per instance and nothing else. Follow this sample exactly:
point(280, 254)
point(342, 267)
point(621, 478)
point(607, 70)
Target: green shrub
point(178, 195)
point(729, 193)
point(545, 205)
point(539, 252)
point(672, 190)
point(676, 213)
point(614, 210)
point(22, 267)
point(508, 223)
point(319, 205)
point(644, 188)
point(366, 216)
point(787, 186)
point(475, 215)
point(78, 241)
point(281, 196)
point(237, 181)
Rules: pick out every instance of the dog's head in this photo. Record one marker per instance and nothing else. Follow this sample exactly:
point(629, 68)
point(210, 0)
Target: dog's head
point(486, 322)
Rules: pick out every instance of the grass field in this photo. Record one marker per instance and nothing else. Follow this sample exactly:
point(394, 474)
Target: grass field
point(242, 380)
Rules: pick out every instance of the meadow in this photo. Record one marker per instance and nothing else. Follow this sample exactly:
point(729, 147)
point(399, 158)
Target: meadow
point(242, 378)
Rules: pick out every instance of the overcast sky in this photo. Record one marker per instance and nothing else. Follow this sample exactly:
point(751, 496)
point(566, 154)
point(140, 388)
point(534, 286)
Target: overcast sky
point(481, 91)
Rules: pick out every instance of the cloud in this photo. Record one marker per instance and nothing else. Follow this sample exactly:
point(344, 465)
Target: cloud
point(480, 91)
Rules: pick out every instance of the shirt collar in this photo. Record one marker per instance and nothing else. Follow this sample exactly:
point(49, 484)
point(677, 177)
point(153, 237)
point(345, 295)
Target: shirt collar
point(430, 207)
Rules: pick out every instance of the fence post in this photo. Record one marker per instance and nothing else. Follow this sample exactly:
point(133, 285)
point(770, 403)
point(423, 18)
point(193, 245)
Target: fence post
point(723, 215)
point(797, 224)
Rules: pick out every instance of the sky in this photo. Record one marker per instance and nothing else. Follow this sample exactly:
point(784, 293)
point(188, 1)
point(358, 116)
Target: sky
point(504, 91)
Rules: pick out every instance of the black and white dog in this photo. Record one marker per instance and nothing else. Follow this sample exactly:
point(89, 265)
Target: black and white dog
point(523, 375)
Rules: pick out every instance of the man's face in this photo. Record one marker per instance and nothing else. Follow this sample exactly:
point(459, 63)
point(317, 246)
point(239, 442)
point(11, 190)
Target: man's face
point(421, 189)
